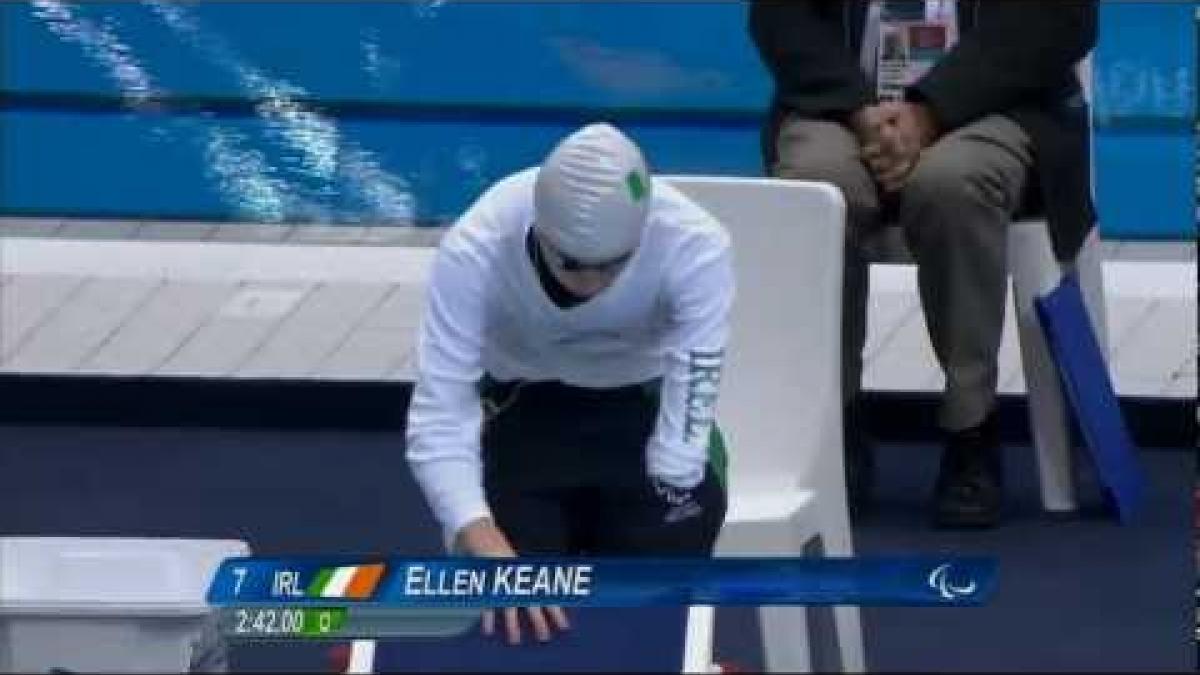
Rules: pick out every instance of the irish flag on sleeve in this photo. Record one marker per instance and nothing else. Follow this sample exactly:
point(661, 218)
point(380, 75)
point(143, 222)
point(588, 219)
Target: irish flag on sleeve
point(353, 582)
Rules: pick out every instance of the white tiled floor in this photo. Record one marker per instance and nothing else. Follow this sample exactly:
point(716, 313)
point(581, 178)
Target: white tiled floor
point(231, 334)
point(175, 312)
point(304, 339)
point(26, 303)
point(83, 323)
point(366, 354)
point(352, 314)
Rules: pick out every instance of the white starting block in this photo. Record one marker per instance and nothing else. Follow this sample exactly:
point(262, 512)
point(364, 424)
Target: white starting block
point(101, 604)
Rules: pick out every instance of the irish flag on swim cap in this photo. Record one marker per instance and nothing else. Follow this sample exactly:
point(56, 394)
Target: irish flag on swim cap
point(592, 195)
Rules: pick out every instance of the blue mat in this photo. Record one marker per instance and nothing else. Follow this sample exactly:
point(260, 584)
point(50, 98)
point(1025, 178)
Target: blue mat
point(1084, 375)
point(1077, 593)
point(648, 639)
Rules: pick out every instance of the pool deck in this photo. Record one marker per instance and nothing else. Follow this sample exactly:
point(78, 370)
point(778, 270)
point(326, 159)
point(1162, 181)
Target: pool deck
point(342, 303)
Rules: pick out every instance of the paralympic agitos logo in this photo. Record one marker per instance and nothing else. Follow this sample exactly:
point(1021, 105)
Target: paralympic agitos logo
point(940, 581)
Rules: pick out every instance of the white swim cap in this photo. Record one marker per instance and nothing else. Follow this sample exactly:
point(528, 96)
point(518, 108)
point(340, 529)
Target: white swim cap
point(592, 195)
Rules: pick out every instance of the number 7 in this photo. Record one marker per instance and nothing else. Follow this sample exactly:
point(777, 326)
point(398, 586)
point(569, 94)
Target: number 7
point(241, 577)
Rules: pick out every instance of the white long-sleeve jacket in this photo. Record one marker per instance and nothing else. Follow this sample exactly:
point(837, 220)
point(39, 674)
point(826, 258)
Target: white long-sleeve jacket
point(665, 316)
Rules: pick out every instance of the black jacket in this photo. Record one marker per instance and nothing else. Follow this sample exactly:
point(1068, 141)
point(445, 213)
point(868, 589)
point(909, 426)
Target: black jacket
point(1014, 57)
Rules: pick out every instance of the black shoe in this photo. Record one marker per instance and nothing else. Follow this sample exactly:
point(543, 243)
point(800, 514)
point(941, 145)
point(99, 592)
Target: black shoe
point(859, 460)
point(970, 485)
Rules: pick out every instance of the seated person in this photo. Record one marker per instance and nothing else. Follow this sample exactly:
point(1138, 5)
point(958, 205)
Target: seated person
point(942, 116)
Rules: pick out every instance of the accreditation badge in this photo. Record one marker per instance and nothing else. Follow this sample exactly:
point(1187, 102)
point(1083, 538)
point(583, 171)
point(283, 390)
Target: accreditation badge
point(913, 36)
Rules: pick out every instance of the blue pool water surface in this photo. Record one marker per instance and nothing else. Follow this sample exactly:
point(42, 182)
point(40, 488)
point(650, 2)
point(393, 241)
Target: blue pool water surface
point(401, 112)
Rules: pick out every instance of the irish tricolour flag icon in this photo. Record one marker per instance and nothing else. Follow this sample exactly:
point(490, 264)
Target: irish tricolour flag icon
point(354, 582)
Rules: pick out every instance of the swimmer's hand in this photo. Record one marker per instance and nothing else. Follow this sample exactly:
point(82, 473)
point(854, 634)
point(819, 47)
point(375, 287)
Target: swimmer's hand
point(482, 538)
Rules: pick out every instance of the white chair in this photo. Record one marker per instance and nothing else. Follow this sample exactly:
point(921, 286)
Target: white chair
point(780, 403)
point(1034, 271)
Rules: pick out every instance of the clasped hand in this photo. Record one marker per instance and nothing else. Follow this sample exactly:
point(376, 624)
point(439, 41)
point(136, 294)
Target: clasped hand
point(892, 136)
